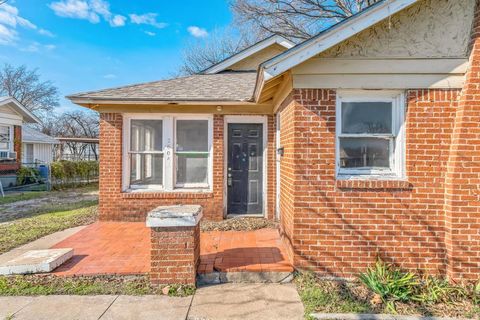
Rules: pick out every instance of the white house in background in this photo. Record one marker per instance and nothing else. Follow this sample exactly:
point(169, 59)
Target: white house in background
point(12, 117)
point(37, 147)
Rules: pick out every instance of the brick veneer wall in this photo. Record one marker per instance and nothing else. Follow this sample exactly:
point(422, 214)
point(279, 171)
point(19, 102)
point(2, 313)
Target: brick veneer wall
point(116, 205)
point(175, 254)
point(340, 227)
point(462, 205)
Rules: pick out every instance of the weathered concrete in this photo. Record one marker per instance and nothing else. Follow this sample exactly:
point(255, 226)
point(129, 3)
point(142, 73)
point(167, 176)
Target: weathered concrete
point(148, 307)
point(65, 307)
point(11, 305)
point(174, 216)
point(247, 301)
point(36, 261)
point(43, 243)
point(244, 277)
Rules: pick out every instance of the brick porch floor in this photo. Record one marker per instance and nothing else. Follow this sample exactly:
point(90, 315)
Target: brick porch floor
point(124, 248)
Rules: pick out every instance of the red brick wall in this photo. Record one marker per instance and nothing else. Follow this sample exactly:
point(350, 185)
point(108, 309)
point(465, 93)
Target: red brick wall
point(116, 205)
point(17, 142)
point(175, 254)
point(340, 227)
point(462, 205)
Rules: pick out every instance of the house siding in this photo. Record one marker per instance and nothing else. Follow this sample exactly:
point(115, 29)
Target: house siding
point(133, 206)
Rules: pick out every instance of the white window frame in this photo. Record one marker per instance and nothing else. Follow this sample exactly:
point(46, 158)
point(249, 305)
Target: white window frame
point(397, 138)
point(11, 138)
point(169, 158)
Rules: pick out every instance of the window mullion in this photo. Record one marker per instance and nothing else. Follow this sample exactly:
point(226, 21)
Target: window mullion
point(168, 144)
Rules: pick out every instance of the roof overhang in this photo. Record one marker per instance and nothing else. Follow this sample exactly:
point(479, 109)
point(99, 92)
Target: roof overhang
point(327, 39)
point(91, 103)
point(275, 39)
point(13, 103)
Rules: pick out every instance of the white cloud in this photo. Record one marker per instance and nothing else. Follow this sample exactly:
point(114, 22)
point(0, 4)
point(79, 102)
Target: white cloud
point(10, 20)
point(77, 9)
point(150, 33)
point(118, 21)
point(197, 32)
point(109, 76)
point(7, 35)
point(46, 33)
point(147, 18)
point(37, 47)
point(91, 10)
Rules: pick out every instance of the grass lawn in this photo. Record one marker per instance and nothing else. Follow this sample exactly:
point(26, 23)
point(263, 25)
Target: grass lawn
point(9, 198)
point(47, 220)
point(325, 296)
point(31, 285)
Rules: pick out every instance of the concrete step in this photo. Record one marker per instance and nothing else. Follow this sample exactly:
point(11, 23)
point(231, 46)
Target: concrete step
point(243, 277)
point(36, 261)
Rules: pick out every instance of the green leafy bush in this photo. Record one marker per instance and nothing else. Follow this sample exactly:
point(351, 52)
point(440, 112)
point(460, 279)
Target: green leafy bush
point(436, 290)
point(26, 175)
point(66, 172)
point(390, 283)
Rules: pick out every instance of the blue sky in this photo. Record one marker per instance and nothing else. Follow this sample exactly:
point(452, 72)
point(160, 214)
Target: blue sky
point(85, 45)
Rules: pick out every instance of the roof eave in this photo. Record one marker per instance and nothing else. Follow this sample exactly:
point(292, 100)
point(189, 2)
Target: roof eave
point(331, 37)
point(26, 114)
point(121, 101)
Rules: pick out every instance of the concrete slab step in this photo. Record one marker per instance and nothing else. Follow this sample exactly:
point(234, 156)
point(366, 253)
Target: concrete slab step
point(36, 261)
point(243, 277)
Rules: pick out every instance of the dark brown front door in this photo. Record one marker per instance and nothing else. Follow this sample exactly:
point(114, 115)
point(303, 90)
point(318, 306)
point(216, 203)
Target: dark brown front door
point(245, 168)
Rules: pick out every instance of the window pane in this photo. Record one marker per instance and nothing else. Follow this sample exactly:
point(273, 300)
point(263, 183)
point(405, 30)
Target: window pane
point(192, 135)
point(192, 168)
point(364, 152)
point(4, 137)
point(366, 117)
point(146, 135)
point(146, 169)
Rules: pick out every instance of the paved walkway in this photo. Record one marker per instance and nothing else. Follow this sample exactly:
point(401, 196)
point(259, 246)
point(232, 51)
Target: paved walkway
point(228, 301)
point(124, 248)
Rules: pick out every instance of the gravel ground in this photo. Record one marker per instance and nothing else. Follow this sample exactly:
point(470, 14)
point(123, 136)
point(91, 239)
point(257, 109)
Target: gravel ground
point(238, 224)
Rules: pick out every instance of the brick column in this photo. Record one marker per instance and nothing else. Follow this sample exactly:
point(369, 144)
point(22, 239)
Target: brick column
point(17, 142)
point(462, 183)
point(175, 244)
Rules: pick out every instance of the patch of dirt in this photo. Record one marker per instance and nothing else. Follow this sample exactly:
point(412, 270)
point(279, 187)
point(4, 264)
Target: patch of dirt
point(238, 224)
point(31, 207)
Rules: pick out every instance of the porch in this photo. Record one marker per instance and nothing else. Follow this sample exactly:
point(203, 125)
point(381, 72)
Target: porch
point(123, 248)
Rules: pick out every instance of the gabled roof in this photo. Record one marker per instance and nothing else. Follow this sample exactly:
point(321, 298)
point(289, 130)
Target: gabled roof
point(222, 87)
point(329, 38)
point(19, 108)
point(30, 135)
point(247, 52)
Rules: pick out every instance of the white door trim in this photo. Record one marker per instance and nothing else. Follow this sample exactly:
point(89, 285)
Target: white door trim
point(245, 119)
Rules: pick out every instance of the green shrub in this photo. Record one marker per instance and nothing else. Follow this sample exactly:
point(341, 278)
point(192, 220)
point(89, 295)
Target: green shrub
point(434, 290)
point(27, 175)
point(66, 172)
point(390, 283)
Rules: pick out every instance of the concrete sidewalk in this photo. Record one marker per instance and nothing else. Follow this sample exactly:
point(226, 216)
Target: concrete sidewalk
point(227, 301)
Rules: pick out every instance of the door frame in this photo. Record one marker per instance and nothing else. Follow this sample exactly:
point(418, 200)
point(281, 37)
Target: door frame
point(245, 119)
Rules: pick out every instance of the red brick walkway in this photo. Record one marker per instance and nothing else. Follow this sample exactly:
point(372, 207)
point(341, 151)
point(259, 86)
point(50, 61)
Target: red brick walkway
point(124, 248)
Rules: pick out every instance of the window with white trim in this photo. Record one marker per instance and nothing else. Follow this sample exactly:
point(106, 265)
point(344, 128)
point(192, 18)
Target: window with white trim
point(168, 152)
point(370, 134)
point(5, 138)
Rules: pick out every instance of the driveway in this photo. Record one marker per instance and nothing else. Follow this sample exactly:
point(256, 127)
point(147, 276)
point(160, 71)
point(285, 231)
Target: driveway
point(227, 301)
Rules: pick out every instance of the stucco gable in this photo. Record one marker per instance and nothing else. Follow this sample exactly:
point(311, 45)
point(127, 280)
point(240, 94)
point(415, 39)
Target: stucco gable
point(429, 28)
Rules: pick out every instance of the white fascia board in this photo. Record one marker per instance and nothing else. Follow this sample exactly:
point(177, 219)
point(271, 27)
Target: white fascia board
point(332, 37)
point(248, 52)
point(20, 109)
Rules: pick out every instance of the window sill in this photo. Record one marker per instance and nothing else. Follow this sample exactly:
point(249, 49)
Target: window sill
point(162, 194)
point(349, 182)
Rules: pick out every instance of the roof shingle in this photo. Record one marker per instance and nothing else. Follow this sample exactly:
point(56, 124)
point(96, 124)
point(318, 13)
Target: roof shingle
point(229, 86)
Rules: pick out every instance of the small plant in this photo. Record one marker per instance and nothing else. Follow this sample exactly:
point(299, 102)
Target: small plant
point(181, 291)
point(390, 284)
point(476, 293)
point(26, 175)
point(435, 290)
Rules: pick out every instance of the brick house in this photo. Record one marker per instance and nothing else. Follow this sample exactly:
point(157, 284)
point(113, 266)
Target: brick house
point(363, 141)
point(12, 116)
